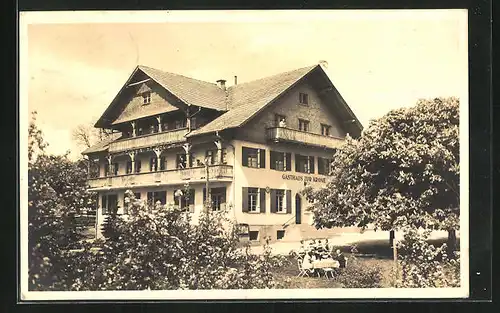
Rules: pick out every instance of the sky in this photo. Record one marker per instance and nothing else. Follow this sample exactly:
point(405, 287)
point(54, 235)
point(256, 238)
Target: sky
point(73, 64)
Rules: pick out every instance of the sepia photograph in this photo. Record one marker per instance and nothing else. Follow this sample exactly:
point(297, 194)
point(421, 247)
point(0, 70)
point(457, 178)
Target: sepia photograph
point(320, 154)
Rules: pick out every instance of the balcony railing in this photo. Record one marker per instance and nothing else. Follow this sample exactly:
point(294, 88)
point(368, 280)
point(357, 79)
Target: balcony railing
point(148, 140)
point(168, 177)
point(282, 134)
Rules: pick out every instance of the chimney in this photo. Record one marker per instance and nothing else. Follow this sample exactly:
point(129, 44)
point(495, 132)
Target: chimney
point(323, 63)
point(235, 80)
point(222, 84)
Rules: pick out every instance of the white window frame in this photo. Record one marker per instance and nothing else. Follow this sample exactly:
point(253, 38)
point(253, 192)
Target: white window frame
point(280, 201)
point(146, 98)
point(250, 200)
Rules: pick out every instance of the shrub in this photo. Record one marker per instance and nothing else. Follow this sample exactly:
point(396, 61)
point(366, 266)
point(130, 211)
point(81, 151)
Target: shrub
point(159, 248)
point(355, 275)
point(423, 265)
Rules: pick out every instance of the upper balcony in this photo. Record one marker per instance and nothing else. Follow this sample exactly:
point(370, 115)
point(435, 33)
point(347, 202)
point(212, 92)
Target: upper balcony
point(282, 134)
point(217, 173)
point(149, 140)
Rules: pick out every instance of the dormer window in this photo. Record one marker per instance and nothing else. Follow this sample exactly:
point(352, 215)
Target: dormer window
point(146, 98)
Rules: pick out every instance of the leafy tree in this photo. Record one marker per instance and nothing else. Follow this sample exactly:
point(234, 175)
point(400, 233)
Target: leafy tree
point(403, 172)
point(56, 192)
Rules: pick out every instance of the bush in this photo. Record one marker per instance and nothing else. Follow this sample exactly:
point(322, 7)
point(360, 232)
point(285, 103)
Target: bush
point(158, 248)
point(423, 265)
point(355, 275)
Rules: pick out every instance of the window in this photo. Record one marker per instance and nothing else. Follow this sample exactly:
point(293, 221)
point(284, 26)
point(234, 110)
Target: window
point(153, 166)
point(325, 130)
point(155, 196)
point(281, 201)
point(146, 98)
point(106, 170)
point(211, 156)
point(115, 168)
point(137, 196)
point(180, 123)
point(303, 98)
point(129, 167)
point(181, 161)
point(304, 164)
point(137, 166)
point(224, 156)
point(255, 158)
point(281, 161)
point(280, 234)
point(163, 163)
point(253, 199)
point(109, 204)
point(279, 120)
point(253, 235)
point(324, 166)
point(187, 200)
point(303, 125)
point(218, 197)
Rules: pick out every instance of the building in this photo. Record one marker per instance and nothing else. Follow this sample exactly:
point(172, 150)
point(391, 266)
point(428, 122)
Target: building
point(264, 141)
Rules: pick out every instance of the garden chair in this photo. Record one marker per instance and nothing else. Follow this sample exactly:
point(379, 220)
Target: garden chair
point(303, 271)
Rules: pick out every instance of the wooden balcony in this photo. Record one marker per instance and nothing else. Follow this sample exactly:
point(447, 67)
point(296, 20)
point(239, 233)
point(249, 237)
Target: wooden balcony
point(149, 140)
point(282, 134)
point(217, 173)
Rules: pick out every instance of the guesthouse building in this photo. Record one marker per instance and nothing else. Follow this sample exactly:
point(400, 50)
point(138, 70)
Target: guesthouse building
point(256, 145)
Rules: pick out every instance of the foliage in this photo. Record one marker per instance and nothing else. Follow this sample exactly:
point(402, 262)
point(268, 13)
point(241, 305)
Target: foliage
point(356, 275)
point(36, 144)
point(161, 248)
point(402, 172)
point(423, 265)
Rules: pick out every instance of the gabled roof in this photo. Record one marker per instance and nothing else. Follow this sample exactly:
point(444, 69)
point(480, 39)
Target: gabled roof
point(102, 145)
point(247, 99)
point(189, 90)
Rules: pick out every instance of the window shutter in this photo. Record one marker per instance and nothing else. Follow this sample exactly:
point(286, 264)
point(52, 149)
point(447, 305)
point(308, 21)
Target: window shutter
point(272, 160)
point(204, 195)
point(311, 164)
point(262, 195)
point(288, 201)
point(150, 197)
point(191, 200)
point(288, 164)
point(244, 153)
point(262, 158)
point(273, 200)
point(297, 162)
point(244, 199)
point(176, 201)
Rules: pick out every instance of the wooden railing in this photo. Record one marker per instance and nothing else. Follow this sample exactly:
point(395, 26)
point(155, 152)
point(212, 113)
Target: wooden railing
point(149, 140)
point(169, 177)
point(282, 134)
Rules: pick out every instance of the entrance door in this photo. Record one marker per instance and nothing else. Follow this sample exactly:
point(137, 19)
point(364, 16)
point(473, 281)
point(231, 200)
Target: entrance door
point(298, 209)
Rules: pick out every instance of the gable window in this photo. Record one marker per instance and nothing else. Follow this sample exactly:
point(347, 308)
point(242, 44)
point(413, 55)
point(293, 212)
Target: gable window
point(325, 130)
point(146, 98)
point(304, 164)
point(279, 120)
point(281, 161)
point(157, 196)
point(303, 98)
point(303, 125)
point(324, 166)
point(252, 157)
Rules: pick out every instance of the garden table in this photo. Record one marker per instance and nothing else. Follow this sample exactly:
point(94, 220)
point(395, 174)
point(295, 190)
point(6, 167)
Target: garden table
point(326, 263)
